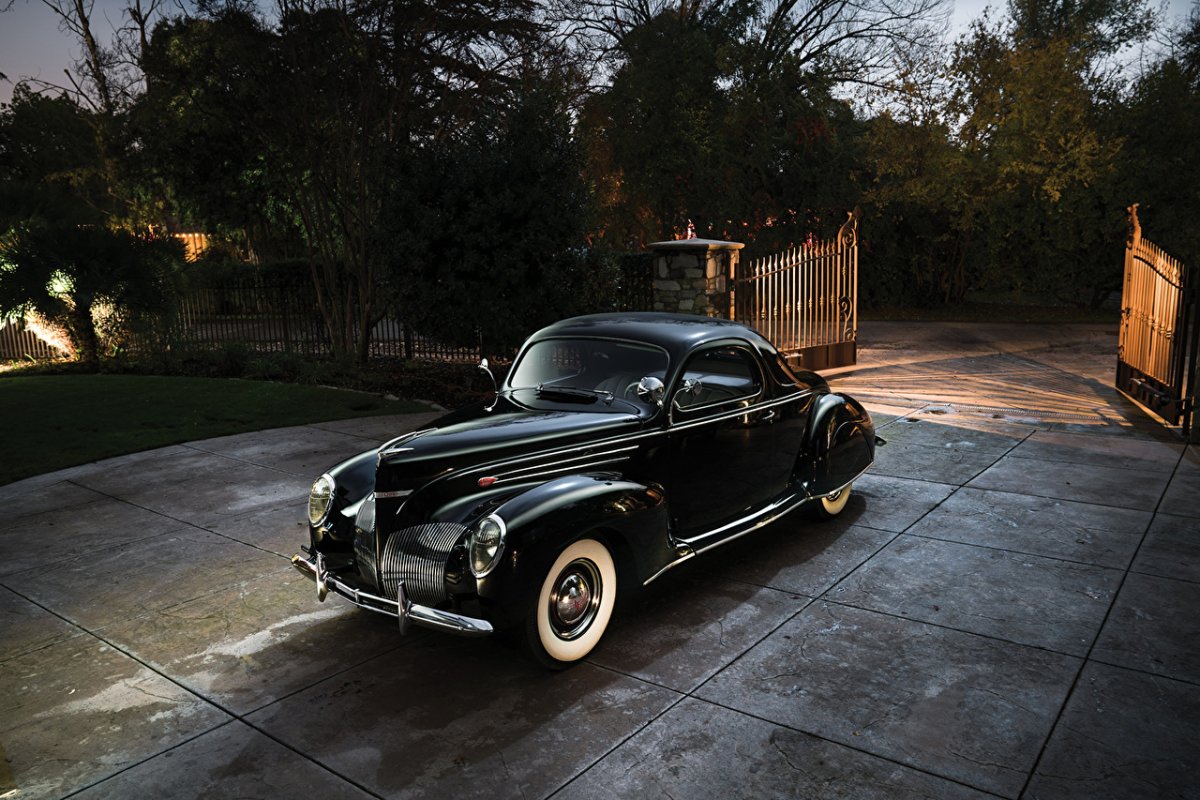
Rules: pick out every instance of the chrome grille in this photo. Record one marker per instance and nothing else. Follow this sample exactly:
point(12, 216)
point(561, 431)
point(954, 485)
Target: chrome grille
point(364, 554)
point(418, 556)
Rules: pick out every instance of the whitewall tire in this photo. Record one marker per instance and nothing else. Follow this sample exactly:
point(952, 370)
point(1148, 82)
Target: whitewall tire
point(831, 505)
point(574, 604)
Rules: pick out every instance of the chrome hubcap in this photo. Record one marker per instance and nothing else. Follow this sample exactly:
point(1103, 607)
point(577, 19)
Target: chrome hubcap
point(575, 598)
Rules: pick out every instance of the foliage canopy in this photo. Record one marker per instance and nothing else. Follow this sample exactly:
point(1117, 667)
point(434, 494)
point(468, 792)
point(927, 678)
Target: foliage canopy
point(475, 166)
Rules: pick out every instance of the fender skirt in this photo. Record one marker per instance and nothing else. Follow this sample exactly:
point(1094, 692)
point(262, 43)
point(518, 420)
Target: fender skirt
point(839, 444)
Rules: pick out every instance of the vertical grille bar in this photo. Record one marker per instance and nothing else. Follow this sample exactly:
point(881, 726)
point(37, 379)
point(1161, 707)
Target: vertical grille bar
point(364, 555)
point(418, 556)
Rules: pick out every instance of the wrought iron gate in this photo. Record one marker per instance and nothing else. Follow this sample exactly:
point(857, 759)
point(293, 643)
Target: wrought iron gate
point(1160, 333)
point(805, 299)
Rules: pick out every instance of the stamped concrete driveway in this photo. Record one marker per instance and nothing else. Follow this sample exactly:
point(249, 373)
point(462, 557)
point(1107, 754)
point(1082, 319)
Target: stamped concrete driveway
point(1010, 606)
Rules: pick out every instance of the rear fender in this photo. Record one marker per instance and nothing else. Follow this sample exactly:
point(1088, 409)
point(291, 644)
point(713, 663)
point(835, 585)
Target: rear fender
point(839, 444)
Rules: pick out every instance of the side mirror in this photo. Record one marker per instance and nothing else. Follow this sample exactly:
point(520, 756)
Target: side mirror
point(485, 367)
point(651, 390)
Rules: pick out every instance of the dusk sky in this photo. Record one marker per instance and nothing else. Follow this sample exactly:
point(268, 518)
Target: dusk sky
point(31, 46)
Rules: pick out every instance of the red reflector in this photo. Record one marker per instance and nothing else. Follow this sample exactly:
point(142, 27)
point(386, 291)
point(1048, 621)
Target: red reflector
point(486, 482)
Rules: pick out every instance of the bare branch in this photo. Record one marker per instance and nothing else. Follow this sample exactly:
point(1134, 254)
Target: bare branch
point(845, 41)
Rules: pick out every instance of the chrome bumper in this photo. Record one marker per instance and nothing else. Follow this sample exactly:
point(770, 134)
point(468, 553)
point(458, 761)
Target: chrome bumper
point(404, 610)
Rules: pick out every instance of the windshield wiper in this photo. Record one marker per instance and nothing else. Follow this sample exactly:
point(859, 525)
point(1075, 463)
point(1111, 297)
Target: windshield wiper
point(575, 391)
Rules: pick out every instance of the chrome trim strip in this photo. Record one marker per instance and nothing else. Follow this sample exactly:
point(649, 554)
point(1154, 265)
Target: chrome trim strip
point(753, 527)
point(393, 495)
point(690, 554)
point(597, 446)
point(689, 409)
point(572, 468)
point(387, 447)
point(537, 467)
point(404, 610)
point(739, 412)
point(765, 510)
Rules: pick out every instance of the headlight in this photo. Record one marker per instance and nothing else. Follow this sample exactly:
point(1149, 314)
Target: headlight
point(319, 500)
point(487, 544)
point(364, 520)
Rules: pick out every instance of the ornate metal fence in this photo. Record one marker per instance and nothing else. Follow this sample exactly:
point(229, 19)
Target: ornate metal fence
point(276, 317)
point(805, 299)
point(258, 316)
point(1160, 332)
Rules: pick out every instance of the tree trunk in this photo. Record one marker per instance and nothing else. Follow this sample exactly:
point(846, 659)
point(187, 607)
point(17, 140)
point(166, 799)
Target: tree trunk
point(364, 339)
point(83, 333)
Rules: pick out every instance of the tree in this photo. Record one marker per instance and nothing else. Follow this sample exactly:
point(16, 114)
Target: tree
point(1161, 167)
point(924, 203)
point(489, 241)
point(838, 41)
point(50, 169)
point(75, 276)
point(103, 80)
point(1033, 120)
point(202, 141)
point(844, 42)
point(320, 112)
point(691, 129)
point(659, 127)
point(1095, 28)
point(60, 256)
point(1006, 178)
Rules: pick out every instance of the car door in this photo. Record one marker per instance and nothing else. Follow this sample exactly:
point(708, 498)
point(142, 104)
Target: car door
point(721, 441)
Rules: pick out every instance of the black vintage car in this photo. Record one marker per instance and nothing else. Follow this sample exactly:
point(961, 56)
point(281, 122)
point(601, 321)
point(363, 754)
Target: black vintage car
point(618, 447)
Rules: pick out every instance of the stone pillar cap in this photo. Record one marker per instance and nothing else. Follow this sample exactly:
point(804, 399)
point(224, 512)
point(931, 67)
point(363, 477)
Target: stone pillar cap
point(695, 244)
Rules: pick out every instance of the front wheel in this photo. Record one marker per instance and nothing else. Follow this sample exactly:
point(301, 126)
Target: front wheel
point(573, 607)
point(831, 505)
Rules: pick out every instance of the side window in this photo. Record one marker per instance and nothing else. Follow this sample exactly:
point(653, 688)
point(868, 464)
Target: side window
point(716, 377)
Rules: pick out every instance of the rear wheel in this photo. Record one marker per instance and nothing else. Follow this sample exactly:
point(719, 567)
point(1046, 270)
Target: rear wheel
point(831, 505)
point(574, 604)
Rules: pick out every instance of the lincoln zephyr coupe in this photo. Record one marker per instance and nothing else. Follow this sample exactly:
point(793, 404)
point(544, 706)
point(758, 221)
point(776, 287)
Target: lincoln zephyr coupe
point(618, 447)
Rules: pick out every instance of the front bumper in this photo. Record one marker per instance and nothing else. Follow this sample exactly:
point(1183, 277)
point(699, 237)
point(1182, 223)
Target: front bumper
point(404, 610)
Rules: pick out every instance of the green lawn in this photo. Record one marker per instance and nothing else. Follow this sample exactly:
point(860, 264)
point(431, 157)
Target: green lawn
point(56, 421)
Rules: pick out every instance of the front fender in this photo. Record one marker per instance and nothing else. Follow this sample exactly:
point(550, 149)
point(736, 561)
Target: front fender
point(353, 479)
point(629, 517)
point(839, 444)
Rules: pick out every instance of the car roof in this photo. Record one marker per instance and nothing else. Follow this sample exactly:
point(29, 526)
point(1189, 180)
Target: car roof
point(675, 333)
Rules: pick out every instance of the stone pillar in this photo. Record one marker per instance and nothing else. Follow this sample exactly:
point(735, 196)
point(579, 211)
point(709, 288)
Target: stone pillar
point(694, 276)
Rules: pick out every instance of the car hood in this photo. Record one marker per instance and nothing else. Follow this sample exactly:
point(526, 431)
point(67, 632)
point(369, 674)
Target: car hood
point(476, 435)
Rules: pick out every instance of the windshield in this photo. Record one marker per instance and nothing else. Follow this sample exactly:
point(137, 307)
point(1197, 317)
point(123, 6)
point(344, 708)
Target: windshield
point(600, 368)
